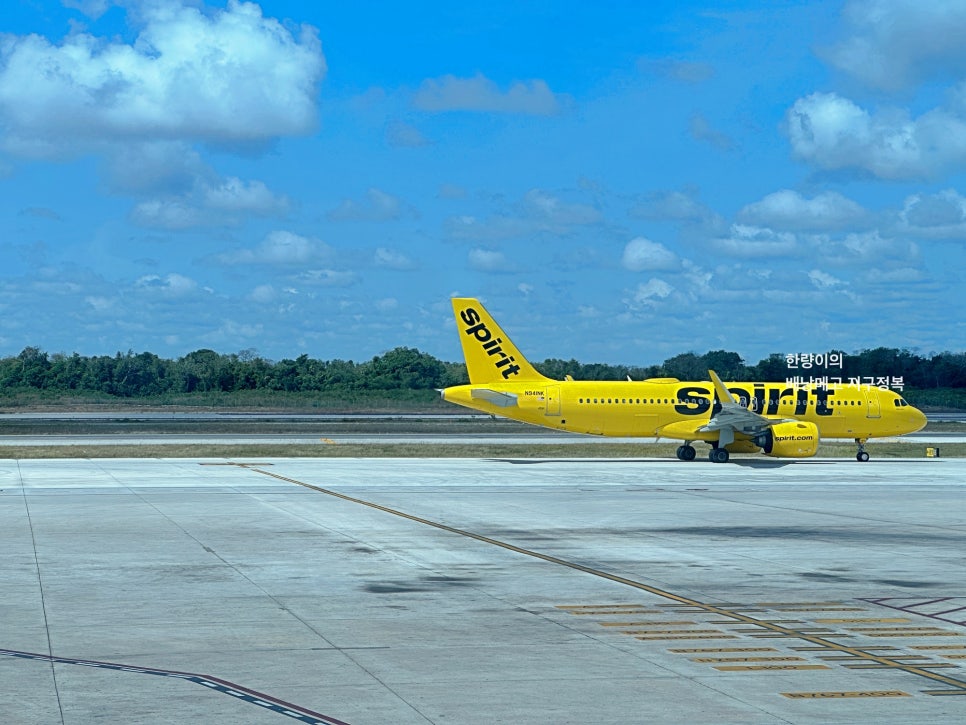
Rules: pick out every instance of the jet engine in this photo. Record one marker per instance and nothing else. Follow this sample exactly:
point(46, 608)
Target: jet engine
point(797, 439)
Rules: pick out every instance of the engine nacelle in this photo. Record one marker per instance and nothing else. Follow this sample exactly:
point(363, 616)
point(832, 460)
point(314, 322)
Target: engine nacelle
point(742, 447)
point(798, 439)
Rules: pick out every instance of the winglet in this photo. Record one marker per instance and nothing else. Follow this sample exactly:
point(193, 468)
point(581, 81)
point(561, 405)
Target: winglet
point(724, 395)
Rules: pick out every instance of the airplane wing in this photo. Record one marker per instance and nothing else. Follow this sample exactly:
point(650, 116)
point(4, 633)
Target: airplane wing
point(496, 397)
point(733, 417)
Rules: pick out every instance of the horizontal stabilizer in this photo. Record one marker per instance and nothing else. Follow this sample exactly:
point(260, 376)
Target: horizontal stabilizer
point(503, 400)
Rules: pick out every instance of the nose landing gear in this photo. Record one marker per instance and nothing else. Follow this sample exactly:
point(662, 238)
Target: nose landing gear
point(686, 452)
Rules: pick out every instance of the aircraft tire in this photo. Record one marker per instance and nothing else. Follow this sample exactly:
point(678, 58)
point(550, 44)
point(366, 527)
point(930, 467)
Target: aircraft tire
point(686, 453)
point(862, 456)
point(718, 455)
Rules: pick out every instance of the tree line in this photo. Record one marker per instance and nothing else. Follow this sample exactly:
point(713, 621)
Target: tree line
point(133, 375)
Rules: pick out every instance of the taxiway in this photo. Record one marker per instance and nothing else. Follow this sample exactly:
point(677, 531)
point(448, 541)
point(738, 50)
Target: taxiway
point(467, 591)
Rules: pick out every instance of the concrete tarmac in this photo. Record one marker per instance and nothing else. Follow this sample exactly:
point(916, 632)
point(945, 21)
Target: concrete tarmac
point(482, 591)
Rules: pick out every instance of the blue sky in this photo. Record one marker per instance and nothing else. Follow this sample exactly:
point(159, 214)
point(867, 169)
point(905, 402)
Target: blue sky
point(619, 182)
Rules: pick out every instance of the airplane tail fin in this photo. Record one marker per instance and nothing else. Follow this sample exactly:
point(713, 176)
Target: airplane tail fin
point(490, 355)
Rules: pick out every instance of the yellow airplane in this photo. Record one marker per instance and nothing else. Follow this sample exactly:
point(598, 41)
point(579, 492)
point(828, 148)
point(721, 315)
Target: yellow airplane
point(784, 421)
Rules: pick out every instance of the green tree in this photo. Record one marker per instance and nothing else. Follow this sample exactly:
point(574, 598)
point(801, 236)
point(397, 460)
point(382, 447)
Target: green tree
point(686, 366)
point(404, 368)
point(728, 365)
point(199, 371)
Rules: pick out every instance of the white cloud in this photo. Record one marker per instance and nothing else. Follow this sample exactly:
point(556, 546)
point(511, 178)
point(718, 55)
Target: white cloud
point(673, 206)
point(280, 248)
point(834, 133)
point(253, 197)
point(224, 203)
point(263, 294)
point(537, 212)
point(751, 241)
point(873, 247)
point(328, 278)
point(937, 216)
point(100, 304)
point(166, 167)
point(172, 285)
point(648, 293)
point(230, 332)
point(789, 210)
point(228, 75)
point(377, 206)
point(899, 276)
point(387, 304)
point(542, 205)
point(168, 214)
point(823, 280)
point(392, 259)
point(897, 43)
point(90, 8)
point(484, 260)
point(642, 254)
point(479, 93)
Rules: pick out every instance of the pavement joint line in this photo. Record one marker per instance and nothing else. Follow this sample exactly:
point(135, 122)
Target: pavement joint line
point(959, 685)
point(273, 704)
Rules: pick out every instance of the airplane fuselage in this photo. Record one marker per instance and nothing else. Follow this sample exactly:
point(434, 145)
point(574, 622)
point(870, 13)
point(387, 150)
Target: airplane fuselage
point(649, 407)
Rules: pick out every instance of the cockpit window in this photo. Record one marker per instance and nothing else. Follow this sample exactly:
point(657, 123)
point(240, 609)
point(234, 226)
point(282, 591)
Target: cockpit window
point(900, 403)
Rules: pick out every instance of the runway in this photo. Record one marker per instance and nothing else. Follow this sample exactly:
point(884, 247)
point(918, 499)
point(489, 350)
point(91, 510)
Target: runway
point(482, 590)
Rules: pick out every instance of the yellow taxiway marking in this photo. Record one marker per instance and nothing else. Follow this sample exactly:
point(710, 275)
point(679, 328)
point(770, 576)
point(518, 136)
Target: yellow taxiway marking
point(757, 668)
point(645, 624)
point(938, 646)
point(779, 630)
point(954, 657)
point(747, 659)
point(903, 628)
point(941, 633)
point(874, 666)
point(604, 610)
point(792, 604)
point(820, 609)
point(823, 695)
point(704, 650)
point(864, 620)
point(672, 631)
point(599, 606)
point(852, 658)
point(668, 637)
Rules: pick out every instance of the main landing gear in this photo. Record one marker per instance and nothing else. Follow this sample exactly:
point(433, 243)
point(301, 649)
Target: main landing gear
point(715, 455)
point(718, 455)
point(861, 456)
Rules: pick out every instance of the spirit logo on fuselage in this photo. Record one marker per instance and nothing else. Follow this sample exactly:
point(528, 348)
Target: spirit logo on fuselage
point(491, 345)
point(763, 398)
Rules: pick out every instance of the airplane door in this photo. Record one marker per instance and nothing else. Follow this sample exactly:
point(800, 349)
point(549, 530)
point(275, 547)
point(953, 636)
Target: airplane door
point(872, 400)
point(552, 400)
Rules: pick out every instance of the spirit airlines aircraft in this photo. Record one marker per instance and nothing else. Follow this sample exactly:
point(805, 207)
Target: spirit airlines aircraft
point(774, 418)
